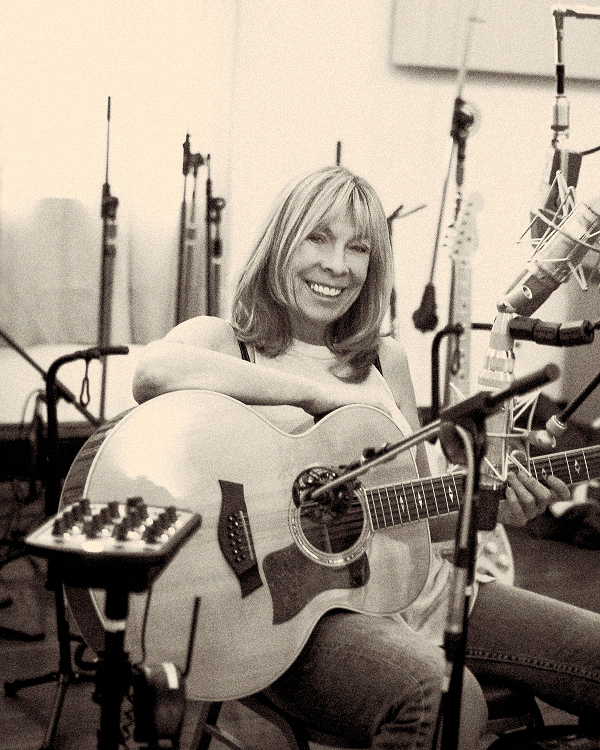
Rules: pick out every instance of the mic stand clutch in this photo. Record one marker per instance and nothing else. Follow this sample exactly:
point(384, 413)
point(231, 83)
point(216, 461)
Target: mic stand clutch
point(461, 588)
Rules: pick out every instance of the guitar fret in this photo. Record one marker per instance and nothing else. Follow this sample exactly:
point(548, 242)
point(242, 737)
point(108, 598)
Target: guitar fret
point(400, 501)
point(388, 520)
point(587, 471)
point(418, 500)
point(452, 493)
point(412, 501)
point(445, 495)
point(375, 495)
point(377, 506)
point(571, 466)
point(389, 499)
point(404, 507)
point(437, 510)
point(380, 507)
point(543, 472)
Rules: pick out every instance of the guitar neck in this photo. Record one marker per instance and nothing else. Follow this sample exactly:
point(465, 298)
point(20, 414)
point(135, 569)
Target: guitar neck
point(458, 365)
point(431, 497)
point(577, 465)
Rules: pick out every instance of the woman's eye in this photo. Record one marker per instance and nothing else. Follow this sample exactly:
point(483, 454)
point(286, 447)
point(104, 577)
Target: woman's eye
point(360, 248)
point(317, 238)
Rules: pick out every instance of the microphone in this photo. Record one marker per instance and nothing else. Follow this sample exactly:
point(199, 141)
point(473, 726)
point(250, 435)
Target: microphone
point(574, 333)
point(554, 260)
point(556, 425)
point(425, 317)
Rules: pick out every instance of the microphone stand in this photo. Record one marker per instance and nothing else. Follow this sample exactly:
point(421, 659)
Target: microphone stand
point(463, 119)
point(63, 391)
point(109, 250)
point(65, 675)
point(461, 585)
point(390, 221)
point(556, 424)
point(214, 249)
point(182, 264)
point(187, 234)
point(467, 421)
point(53, 488)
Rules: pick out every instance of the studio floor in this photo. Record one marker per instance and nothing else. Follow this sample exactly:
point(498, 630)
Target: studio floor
point(551, 567)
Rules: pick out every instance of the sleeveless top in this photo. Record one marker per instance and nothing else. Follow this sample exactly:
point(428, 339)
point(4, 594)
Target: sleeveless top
point(427, 614)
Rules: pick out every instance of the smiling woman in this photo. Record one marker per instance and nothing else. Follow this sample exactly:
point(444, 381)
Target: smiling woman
point(305, 340)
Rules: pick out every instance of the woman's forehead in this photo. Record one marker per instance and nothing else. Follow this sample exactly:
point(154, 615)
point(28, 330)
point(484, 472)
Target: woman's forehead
point(347, 214)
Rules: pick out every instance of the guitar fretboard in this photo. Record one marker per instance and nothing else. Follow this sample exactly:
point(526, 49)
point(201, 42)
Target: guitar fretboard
point(415, 500)
point(419, 499)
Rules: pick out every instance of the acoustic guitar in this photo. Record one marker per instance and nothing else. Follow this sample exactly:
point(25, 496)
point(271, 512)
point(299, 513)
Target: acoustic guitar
point(267, 561)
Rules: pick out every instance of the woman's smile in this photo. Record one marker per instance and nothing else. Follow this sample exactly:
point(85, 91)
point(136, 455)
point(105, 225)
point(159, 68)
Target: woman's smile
point(324, 290)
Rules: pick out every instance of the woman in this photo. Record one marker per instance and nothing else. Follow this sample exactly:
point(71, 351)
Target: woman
point(308, 310)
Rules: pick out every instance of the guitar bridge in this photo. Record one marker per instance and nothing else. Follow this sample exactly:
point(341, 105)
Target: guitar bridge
point(235, 537)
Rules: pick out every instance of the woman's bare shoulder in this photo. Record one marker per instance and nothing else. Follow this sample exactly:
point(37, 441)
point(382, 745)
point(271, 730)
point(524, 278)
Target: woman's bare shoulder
point(206, 331)
point(392, 355)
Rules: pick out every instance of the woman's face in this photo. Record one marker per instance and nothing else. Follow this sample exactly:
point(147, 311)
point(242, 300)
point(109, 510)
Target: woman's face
point(327, 272)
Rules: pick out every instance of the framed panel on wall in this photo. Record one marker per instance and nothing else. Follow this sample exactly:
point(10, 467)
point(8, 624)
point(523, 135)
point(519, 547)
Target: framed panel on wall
point(515, 37)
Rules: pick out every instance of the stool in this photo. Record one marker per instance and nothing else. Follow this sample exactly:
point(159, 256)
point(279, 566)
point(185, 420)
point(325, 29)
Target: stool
point(509, 710)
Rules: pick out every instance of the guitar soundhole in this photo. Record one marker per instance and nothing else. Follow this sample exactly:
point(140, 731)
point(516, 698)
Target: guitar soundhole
point(332, 530)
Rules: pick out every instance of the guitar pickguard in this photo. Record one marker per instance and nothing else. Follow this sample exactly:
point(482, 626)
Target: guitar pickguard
point(294, 580)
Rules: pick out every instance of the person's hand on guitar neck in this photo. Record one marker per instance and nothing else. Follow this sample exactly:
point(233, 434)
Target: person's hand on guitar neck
point(525, 497)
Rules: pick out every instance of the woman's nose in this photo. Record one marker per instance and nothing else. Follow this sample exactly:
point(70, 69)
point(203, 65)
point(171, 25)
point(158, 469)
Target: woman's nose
point(335, 259)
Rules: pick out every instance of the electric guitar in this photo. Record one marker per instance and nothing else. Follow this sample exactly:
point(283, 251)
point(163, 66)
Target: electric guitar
point(267, 561)
point(495, 554)
point(458, 364)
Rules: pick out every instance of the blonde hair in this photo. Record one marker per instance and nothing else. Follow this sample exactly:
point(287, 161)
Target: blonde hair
point(263, 293)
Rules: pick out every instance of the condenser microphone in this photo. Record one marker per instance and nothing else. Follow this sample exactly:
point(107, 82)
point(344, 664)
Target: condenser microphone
point(555, 259)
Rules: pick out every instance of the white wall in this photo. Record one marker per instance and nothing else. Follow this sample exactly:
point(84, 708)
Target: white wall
point(311, 73)
point(268, 88)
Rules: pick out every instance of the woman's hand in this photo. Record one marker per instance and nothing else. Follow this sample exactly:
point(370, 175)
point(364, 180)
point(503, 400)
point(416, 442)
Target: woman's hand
point(525, 497)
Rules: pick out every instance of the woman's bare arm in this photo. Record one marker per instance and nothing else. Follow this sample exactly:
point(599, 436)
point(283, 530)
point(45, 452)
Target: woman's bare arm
point(203, 353)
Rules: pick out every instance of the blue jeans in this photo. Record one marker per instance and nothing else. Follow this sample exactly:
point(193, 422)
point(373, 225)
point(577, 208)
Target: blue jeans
point(377, 682)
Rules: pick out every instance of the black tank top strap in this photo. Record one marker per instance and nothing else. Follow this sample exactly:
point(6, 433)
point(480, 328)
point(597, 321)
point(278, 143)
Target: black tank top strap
point(377, 364)
point(244, 351)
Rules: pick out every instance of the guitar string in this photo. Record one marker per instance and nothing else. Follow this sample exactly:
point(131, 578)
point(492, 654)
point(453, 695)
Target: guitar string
point(403, 508)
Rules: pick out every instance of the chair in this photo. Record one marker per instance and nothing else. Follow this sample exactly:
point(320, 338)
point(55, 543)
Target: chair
point(509, 710)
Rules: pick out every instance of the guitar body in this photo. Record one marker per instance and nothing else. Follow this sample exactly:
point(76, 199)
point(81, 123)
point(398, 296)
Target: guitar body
point(261, 592)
